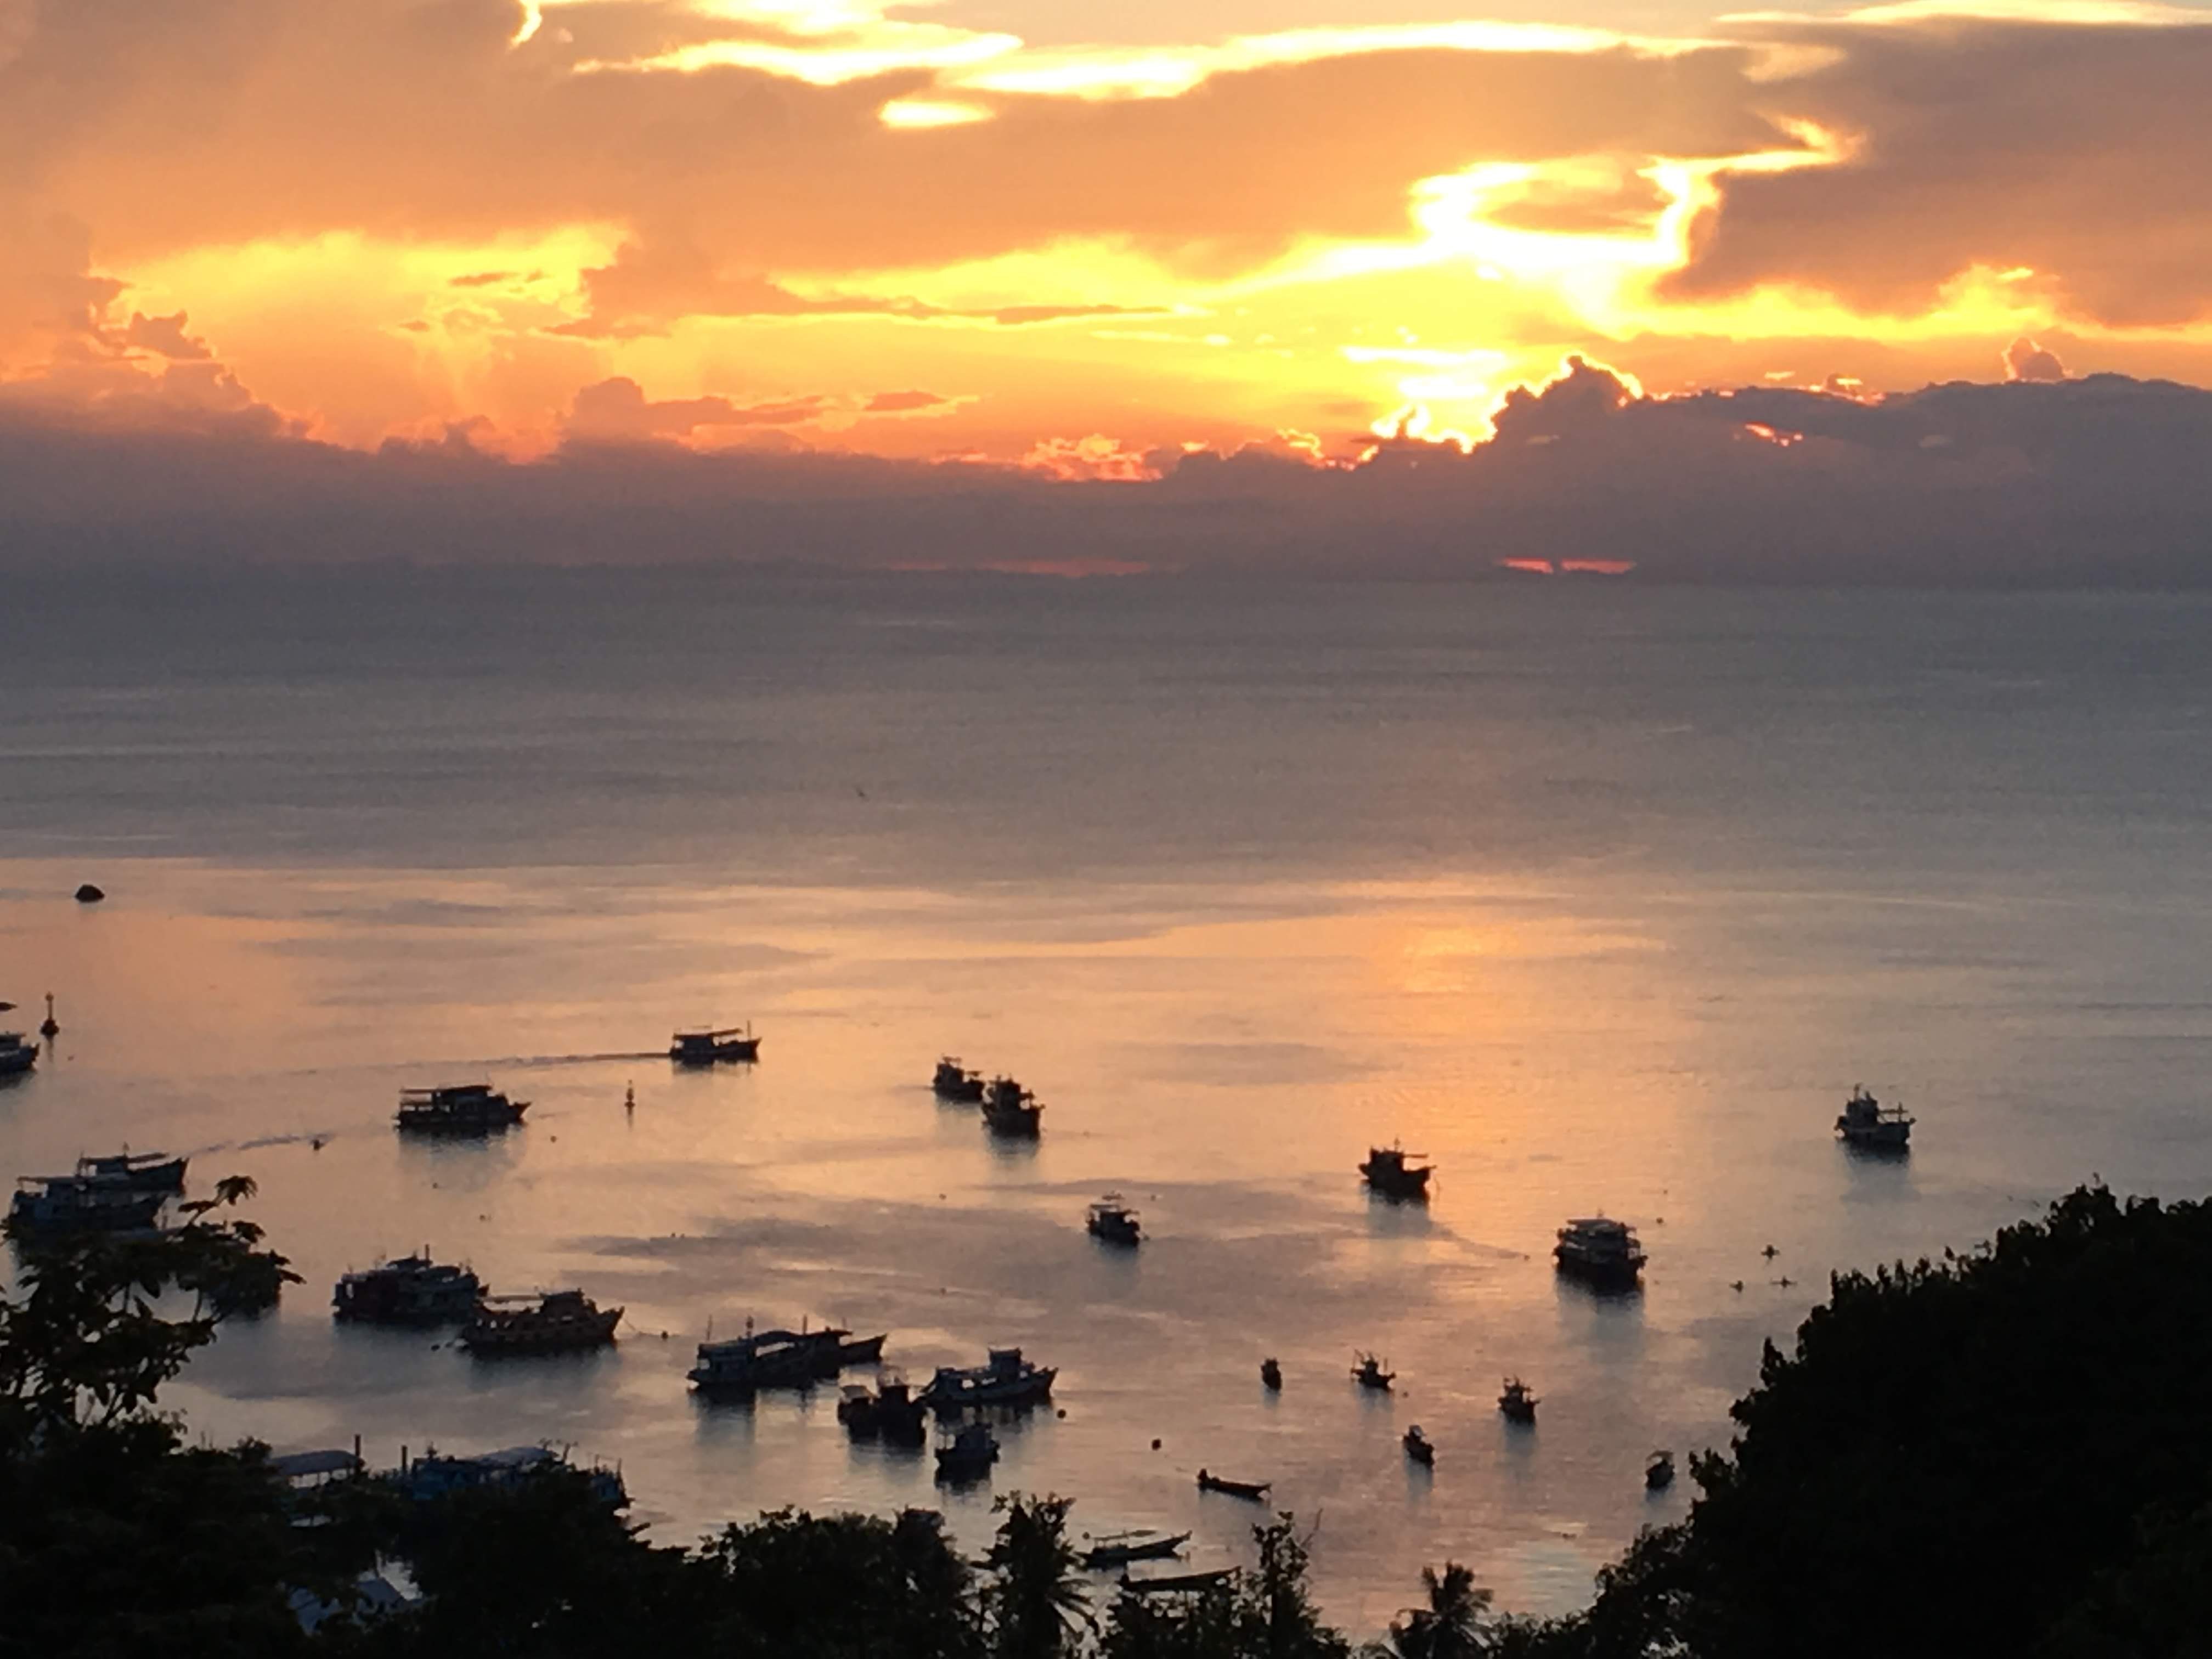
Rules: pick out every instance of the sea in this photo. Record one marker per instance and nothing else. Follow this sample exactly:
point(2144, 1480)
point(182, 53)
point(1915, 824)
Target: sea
point(1601, 897)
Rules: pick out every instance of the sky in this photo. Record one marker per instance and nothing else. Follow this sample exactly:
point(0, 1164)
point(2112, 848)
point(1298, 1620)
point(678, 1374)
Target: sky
point(1035, 241)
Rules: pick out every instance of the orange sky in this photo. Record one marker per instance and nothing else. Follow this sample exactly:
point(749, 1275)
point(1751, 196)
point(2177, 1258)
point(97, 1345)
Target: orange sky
point(926, 230)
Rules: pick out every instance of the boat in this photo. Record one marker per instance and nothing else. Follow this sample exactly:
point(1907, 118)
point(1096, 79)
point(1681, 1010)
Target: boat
point(1601, 1251)
point(762, 1359)
point(556, 1322)
point(51, 1204)
point(1271, 1373)
point(1010, 1110)
point(954, 1081)
point(1419, 1447)
point(706, 1048)
point(431, 1476)
point(1255, 1490)
point(1869, 1125)
point(968, 1454)
point(1006, 1379)
point(1179, 1581)
point(408, 1289)
point(1119, 1549)
point(1388, 1173)
point(1659, 1471)
point(458, 1108)
point(1369, 1374)
point(890, 1413)
point(1114, 1221)
point(1515, 1399)
point(145, 1172)
point(16, 1056)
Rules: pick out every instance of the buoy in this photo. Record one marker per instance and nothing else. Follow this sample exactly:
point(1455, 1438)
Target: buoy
point(51, 1027)
point(629, 1097)
point(88, 894)
point(1156, 1445)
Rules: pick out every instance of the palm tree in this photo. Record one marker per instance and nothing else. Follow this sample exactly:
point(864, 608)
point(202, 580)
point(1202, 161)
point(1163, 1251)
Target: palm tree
point(1450, 1627)
point(1037, 1600)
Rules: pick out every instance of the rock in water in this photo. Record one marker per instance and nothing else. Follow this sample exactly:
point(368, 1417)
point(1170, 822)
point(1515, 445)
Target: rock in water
point(88, 894)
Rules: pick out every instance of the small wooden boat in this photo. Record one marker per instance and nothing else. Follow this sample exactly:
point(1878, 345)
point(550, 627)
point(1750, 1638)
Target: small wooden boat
point(968, 1456)
point(1271, 1375)
point(558, 1322)
point(1419, 1448)
point(1113, 1221)
point(708, 1047)
point(1125, 1547)
point(408, 1289)
point(461, 1108)
point(954, 1081)
point(1253, 1490)
point(1181, 1581)
point(1659, 1471)
point(1388, 1173)
point(145, 1172)
point(1005, 1379)
point(890, 1413)
point(51, 1204)
point(1516, 1402)
point(1369, 1374)
point(1010, 1110)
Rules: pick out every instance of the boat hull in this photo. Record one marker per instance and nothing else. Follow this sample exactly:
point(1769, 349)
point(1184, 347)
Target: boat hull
point(15, 1061)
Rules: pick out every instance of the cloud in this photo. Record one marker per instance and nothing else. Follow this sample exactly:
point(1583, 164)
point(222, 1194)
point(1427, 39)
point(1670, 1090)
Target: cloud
point(2024, 359)
point(617, 410)
point(165, 336)
point(904, 402)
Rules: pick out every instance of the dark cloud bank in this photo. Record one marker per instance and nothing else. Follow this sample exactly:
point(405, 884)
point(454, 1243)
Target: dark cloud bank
point(2099, 481)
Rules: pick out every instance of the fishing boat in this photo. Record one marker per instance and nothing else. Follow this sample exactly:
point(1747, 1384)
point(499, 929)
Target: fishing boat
point(458, 1108)
point(16, 1056)
point(1659, 1471)
point(1191, 1581)
point(431, 1476)
point(1114, 1221)
point(556, 1322)
point(1515, 1399)
point(408, 1290)
point(954, 1081)
point(1419, 1447)
point(889, 1412)
point(1271, 1375)
point(763, 1359)
point(708, 1046)
point(52, 1205)
point(1010, 1110)
point(968, 1454)
point(1119, 1549)
point(1388, 1173)
point(1869, 1125)
point(145, 1172)
point(1005, 1379)
point(1604, 1253)
point(1253, 1491)
point(1369, 1374)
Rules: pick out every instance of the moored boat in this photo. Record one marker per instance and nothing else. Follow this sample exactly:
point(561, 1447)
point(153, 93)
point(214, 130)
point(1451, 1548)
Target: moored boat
point(1659, 1471)
point(51, 1204)
point(1603, 1252)
point(460, 1109)
point(1515, 1400)
point(1869, 1125)
point(888, 1413)
point(1006, 1379)
point(555, 1321)
point(968, 1454)
point(145, 1172)
point(16, 1056)
point(1419, 1447)
point(1388, 1173)
point(1369, 1374)
point(709, 1047)
point(431, 1477)
point(1167, 1583)
point(1010, 1110)
point(954, 1081)
point(1122, 1548)
point(1271, 1375)
point(408, 1290)
point(1112, 1220)
point(1253, 1491)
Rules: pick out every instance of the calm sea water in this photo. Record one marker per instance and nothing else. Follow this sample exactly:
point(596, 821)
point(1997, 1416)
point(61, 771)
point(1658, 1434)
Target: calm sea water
point(1602, 897)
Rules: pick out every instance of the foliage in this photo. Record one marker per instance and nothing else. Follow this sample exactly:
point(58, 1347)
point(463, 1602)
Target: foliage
point(1036, 1602)
point(843, 1587)
point(1264, 1612)
point(1451, 1625)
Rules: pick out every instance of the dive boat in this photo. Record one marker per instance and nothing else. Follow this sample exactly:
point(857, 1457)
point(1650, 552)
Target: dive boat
point(1516, 1402)
point(954, 1081)
point(50, 1205)
point(1253, 1491)
point(16, 1056)
point(1271, 1375)
point(557, 1322)
point(968, 1454)
point(1659, 1471)
point(1006, 1379)
point(1119, 1549)
point(408, 1289)
point(1604, 1253)
point(1388, 1173)
point(1369, 1374)
point(1868, 1125)
point(458, 1108)
point(145, 1172)
point(707, 1047)
point(1010, 1110)
point(1114, 1221)
point(1419, 1447)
